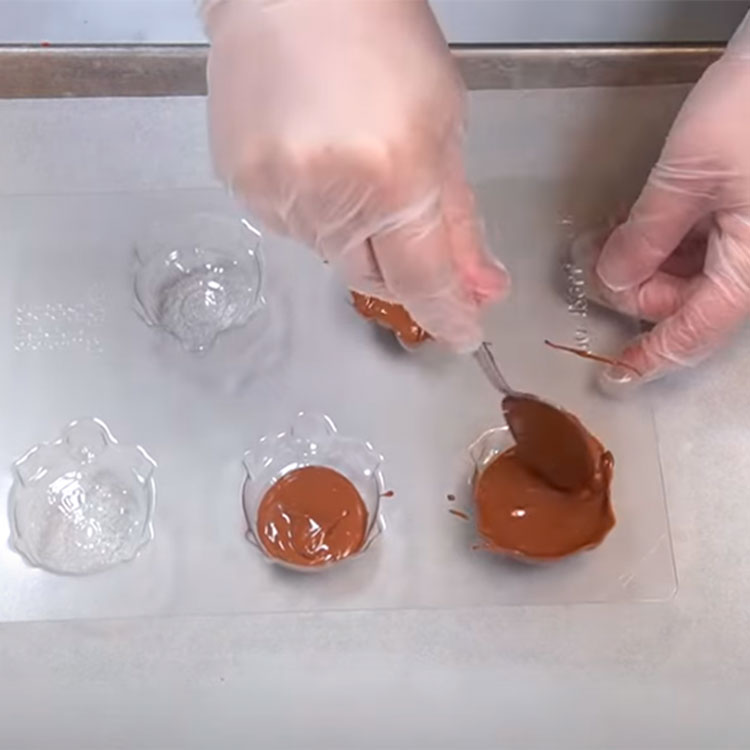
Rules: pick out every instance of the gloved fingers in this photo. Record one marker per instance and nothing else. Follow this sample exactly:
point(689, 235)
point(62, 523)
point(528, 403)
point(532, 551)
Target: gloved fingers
point(341, 197)
point(656, 298)
point(728, 255)
point(660, 297)
point(361, 272)
point(336, 200)
point(689, 256)
point(585, 251)
point(328, 213)
point(674, 199)
point(705, 320)
point(481, 273)
point(417, 263)
point(261, 186)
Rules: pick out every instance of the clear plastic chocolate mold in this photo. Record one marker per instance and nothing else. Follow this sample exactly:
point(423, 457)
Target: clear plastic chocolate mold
point(421, 410)
point(488, 446)
point(82, 503)
point(312, 441)
point(199, 276)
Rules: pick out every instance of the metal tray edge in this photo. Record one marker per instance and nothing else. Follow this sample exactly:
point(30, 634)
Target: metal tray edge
point(44, 71)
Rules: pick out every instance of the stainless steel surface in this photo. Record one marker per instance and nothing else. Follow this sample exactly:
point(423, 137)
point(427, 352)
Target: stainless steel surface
point(619, 676)
point(572, 67)
point(179, 70)
point(128, 70)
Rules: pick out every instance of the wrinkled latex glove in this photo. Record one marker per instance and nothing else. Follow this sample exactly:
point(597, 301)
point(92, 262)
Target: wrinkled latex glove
point(340, 123)
point(682, 258)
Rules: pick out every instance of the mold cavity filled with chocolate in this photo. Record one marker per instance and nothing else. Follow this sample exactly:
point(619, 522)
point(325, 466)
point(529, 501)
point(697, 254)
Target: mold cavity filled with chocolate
point(312, 516)
point(392, 316)
point(547, 496)
point(311, 497)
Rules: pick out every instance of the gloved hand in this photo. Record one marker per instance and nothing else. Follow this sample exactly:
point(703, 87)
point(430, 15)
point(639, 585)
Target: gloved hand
point(682, 258)
point(340, 122)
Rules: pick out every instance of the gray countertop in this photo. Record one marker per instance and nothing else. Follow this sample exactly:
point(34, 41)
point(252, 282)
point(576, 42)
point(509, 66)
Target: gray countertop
point(614, 675)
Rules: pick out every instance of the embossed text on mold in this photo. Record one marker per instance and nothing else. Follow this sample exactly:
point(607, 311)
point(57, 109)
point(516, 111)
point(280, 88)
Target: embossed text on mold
point(60, 326)
point(578, 305)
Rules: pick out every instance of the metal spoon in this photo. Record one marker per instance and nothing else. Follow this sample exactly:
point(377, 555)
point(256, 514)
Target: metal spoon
point(549, 440)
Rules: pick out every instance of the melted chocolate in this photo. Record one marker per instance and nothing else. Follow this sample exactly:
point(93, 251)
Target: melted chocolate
point(595, 357)
point(312, 516)
point(392, 316)
point(518, 512)
point(550, 441)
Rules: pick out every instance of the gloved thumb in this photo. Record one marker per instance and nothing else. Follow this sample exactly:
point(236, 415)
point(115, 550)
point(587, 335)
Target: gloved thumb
point(675, 197)
point(701, 324)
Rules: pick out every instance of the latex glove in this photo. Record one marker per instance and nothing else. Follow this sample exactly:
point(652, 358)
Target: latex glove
point(702, 180)
point(340, 122)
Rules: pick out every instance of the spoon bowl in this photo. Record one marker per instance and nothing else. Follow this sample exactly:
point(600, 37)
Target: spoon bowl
point(549, 440)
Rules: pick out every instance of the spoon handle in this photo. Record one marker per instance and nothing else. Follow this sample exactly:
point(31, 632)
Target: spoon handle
point(486, 361)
